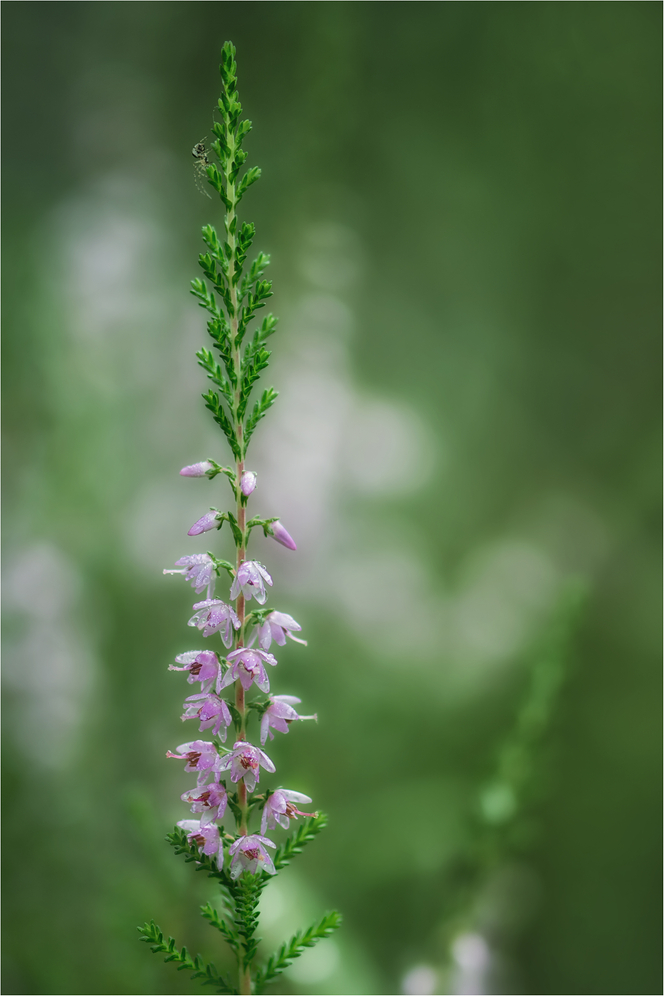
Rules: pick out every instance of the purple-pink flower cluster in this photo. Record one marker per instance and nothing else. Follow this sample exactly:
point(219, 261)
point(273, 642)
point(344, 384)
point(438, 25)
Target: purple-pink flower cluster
point(222, 773)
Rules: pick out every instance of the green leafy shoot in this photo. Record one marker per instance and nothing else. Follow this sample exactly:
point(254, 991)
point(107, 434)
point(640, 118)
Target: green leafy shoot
point(200, 969)
point(259, 411)
point(305, 832)
point(213, 403)
point(292, 949)
point(227, 930)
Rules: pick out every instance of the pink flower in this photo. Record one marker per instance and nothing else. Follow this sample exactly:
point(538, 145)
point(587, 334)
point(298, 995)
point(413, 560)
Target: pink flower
point(206, 838)
point(203, 666)
point(247, 482)
point(210, 800)
point(244, 763)
point(199, 570)
point(281, 535)
point(280, 808)
point(200, 755)
point(250, 579)
point(197, 469)
point(277, 626)
point(215, 616)
point(249, 854)
point(279, 714)
point(210, 520)
point(247, 665)
point(211, 710)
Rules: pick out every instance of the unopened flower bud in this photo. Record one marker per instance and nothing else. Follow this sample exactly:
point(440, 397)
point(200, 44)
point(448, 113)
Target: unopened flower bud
point(196, 469)
point(247, 483)
point(282, 536)
point(207, 521)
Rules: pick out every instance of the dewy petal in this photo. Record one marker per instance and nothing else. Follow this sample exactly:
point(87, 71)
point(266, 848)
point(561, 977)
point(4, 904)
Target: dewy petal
point(284, 620)
point(264, 840)
point(264, 634)
point(228, 679)
point(262, 681)
point(206, 522)
point(268, 864)
point(189, 656)
point(296, 796)
point(246, 677)
point(262, 570)
point(189, 825)
point(206, 603)
point(196, 469)
point(264, 760)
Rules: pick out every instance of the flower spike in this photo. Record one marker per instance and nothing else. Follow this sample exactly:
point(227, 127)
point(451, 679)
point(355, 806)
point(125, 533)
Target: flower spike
point(232, 293)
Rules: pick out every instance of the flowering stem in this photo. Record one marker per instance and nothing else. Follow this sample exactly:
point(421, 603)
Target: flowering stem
point(230, 224)
point(242, 294)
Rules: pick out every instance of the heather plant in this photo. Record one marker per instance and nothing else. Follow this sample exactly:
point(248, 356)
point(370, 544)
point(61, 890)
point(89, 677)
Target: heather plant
point(231, 782)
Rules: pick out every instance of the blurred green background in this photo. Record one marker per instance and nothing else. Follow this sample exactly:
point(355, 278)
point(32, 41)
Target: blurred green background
point(461, 201)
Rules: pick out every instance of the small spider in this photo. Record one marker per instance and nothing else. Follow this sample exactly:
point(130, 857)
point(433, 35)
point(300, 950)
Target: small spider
point(201, 162)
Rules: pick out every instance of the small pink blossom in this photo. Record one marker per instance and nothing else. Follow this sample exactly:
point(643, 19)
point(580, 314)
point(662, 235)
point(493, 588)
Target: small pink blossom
point(281, 535)
point(277, 626)
point(280, 808)
point(251, 579)
point(247, 665)
point(214, 616)
point(201, 756)
point(199, 570)
point(211, 520)
point(212, 711)
point(206, 838)
point(279, 714)
point(244, 762)
point(197, 469)
point(209, 800)
point(203, 666)
point(247, 482)
point(249, 854)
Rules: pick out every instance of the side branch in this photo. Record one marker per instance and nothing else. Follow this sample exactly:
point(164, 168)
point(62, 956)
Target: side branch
point(200, 969)
point(292, 949)
point(307, 830)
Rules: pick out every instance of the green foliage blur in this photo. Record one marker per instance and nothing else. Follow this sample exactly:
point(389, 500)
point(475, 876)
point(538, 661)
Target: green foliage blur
point(459, 200)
